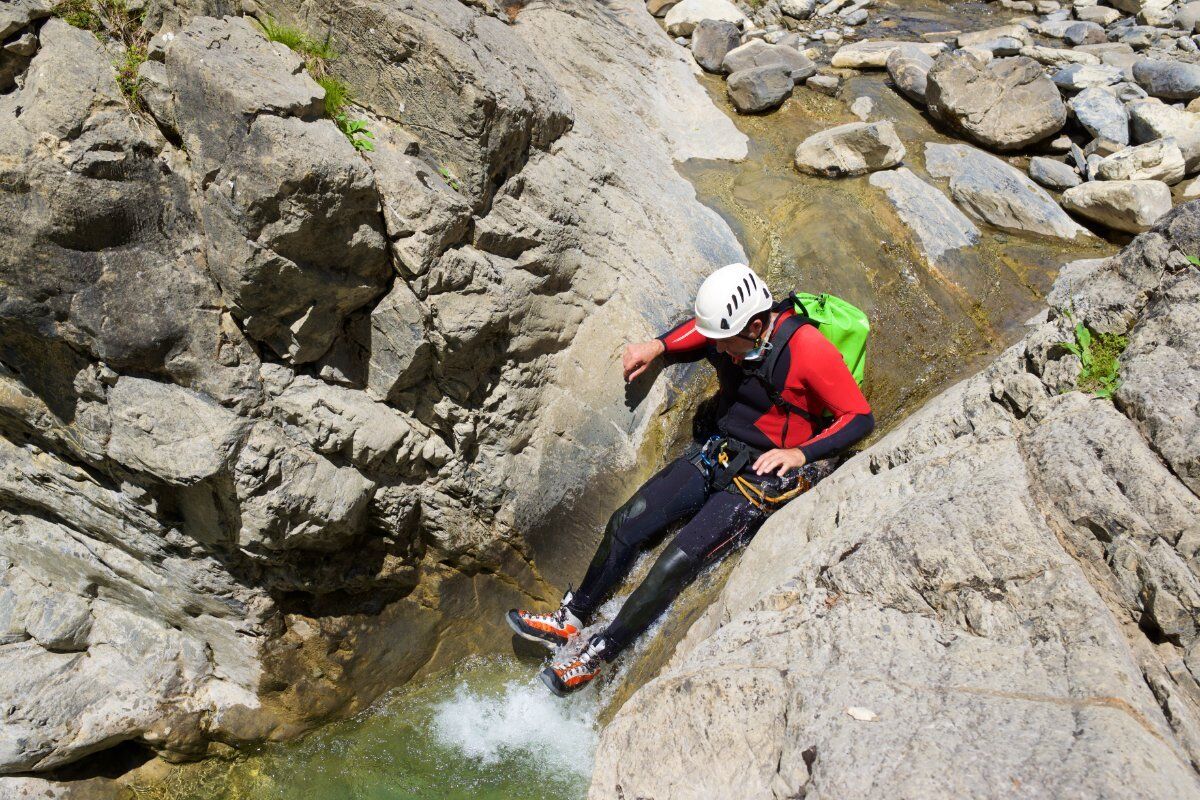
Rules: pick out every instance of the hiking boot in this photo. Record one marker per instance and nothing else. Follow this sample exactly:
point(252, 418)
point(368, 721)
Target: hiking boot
point(554, 629)
point(574, 672)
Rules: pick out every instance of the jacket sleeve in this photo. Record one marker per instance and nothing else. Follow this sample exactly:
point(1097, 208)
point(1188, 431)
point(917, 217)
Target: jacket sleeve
point(824, 373)
point(684, 339)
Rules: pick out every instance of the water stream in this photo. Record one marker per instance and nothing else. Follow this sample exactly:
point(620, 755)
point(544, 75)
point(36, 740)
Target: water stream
point(488, 729)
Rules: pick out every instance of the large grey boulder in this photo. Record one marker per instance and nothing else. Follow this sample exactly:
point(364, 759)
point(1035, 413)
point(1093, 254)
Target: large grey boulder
point(874, 54)
point(757, 53)
point(711, 40)
point(1152, 119)
point(1078, 77)
point(998, 193)
point(1169, 80)
point(1101, 115)
point(939, 227)
point(292, 272)
point(1084, 33)
point(1012, 563)
point(909, 68)
point(1053, 174)
point(980, 38)
point(683, 17)
point(1131, 206)
point(1160, 160)
point(1006, 104)
point(760, 88)
point(853, 149)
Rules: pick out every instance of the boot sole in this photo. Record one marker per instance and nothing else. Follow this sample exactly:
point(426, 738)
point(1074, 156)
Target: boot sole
point(514, 622)
point(552, 683)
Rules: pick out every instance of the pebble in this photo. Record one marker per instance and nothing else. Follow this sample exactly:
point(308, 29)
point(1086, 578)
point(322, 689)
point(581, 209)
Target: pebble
point(824, 84)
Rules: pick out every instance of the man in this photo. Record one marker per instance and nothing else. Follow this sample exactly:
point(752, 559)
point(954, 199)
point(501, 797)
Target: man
point(770, 426)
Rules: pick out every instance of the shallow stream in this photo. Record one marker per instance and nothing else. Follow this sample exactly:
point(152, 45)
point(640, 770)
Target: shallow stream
point(488, 729)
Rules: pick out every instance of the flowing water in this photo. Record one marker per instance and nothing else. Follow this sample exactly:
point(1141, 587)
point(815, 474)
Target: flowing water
point(488, 729)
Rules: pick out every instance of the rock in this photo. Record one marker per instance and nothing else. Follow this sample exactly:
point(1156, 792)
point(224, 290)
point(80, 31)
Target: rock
point(856, 18)
point(1192, 189)
point(292, 275)
point(1053, 174)
point(1131, 206)
point(797, 9)
point(1127, 92)
point(1057, 56)
point(1101, 15)
point(909, 68)
point(1102, 147)
point(825, 84)
point(1152, 119)
point(16, 14)
point(1169, 80)
point(874, 54)
point(1085, 33)
point(853, 149)
point(1003, 46)
point(1140, 37)
point(711, 40)
point(940, 228)
point(759, 89)
point(1077, 77)
point(60, 623)
point(998, 193)
point(683, 17)
point(842, 569)
point(659, 8)
point(981, 38)
point(1160, 160)
point(1101, 115)
point(1006, 104)
point(862, 107)
point(757, 53)
point(1188, 18)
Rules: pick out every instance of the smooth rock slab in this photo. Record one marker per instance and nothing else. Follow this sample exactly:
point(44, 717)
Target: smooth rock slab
point(757, 53)
point(1077, 77)
point(1168, 80)
point(853, 149)
point(1160, 160)
point(761, 89)
point(874, 54)
point(683, 18)
point(998, 193)
point(937, 224)
point(1131, 206)
point(1005, 105)
point(1101, 115)
point(712, 40)
point(977, 38)
point(909, 68)
point(1053, 174)
point(1058, 56)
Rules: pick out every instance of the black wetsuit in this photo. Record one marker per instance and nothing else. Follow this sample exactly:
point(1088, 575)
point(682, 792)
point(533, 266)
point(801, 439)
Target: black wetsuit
point(812, 375)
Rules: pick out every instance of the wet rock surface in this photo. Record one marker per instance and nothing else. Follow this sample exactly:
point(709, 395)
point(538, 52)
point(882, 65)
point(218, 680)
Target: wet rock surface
point(893, 604)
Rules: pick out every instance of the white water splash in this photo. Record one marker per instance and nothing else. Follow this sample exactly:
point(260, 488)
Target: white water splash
point(523, 720)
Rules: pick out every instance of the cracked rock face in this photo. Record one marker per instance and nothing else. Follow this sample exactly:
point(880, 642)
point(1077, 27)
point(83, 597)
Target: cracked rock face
point(1003, 592)
point(282, 423)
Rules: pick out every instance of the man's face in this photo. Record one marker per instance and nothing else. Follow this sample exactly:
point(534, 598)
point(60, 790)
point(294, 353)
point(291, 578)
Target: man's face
point(737, 346)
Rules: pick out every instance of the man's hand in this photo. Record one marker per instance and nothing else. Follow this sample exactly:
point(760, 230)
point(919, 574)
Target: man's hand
point(779, 461)
point(638, 357)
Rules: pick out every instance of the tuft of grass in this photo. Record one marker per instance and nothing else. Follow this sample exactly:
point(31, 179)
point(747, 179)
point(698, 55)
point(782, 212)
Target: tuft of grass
point(127, 74)
point(448, 177)
point(316, 53)
point(1099, 355)
point(80, 14)
point(337, 94)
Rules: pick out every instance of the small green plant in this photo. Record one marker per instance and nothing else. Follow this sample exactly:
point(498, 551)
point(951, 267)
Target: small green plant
point(337, 95)
point(1194, 260)
point(1098, 358)
point(127, 74)
point(450, 179)
point(315, 53)
point(356, 131)
point(80, 14)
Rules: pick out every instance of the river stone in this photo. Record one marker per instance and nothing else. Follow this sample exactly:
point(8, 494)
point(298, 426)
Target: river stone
point(757, 53)
point(1053, 174)
point(1188, 17)
point(1160, 160)
point(939, 227)
point(759, 89)
point(853, 149)
point(1077, 77)
point(711, 40)
point(1169, 80)
point(909, 68)
point(1085, 33)
point(1006, 104)
point(1131, 206)
point(1140, 37)
point(1101, 15)
point(874, 54)
point(1058, 56)
point(1152, 119)
point(825, 84)
point(981, 38)
point(797, 9)
point(683, 18)
point(998, 193)
point(1001, 47)
point(1101, 115)
point(659, 8)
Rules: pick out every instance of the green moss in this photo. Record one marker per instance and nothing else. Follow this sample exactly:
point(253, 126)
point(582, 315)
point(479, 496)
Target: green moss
point(80, 14)
point(1099, 357)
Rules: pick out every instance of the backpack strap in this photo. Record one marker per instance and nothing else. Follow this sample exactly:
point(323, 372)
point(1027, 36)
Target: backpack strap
point(763, 373)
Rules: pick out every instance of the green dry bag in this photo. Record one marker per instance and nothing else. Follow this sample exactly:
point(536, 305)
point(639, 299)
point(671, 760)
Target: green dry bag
point(842, 323)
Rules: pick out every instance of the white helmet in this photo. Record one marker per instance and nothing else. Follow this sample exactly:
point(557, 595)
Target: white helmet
point(728, 299)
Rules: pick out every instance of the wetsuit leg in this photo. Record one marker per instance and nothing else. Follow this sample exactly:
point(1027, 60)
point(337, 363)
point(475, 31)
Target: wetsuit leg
point(677, 491)
point(725, 520)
